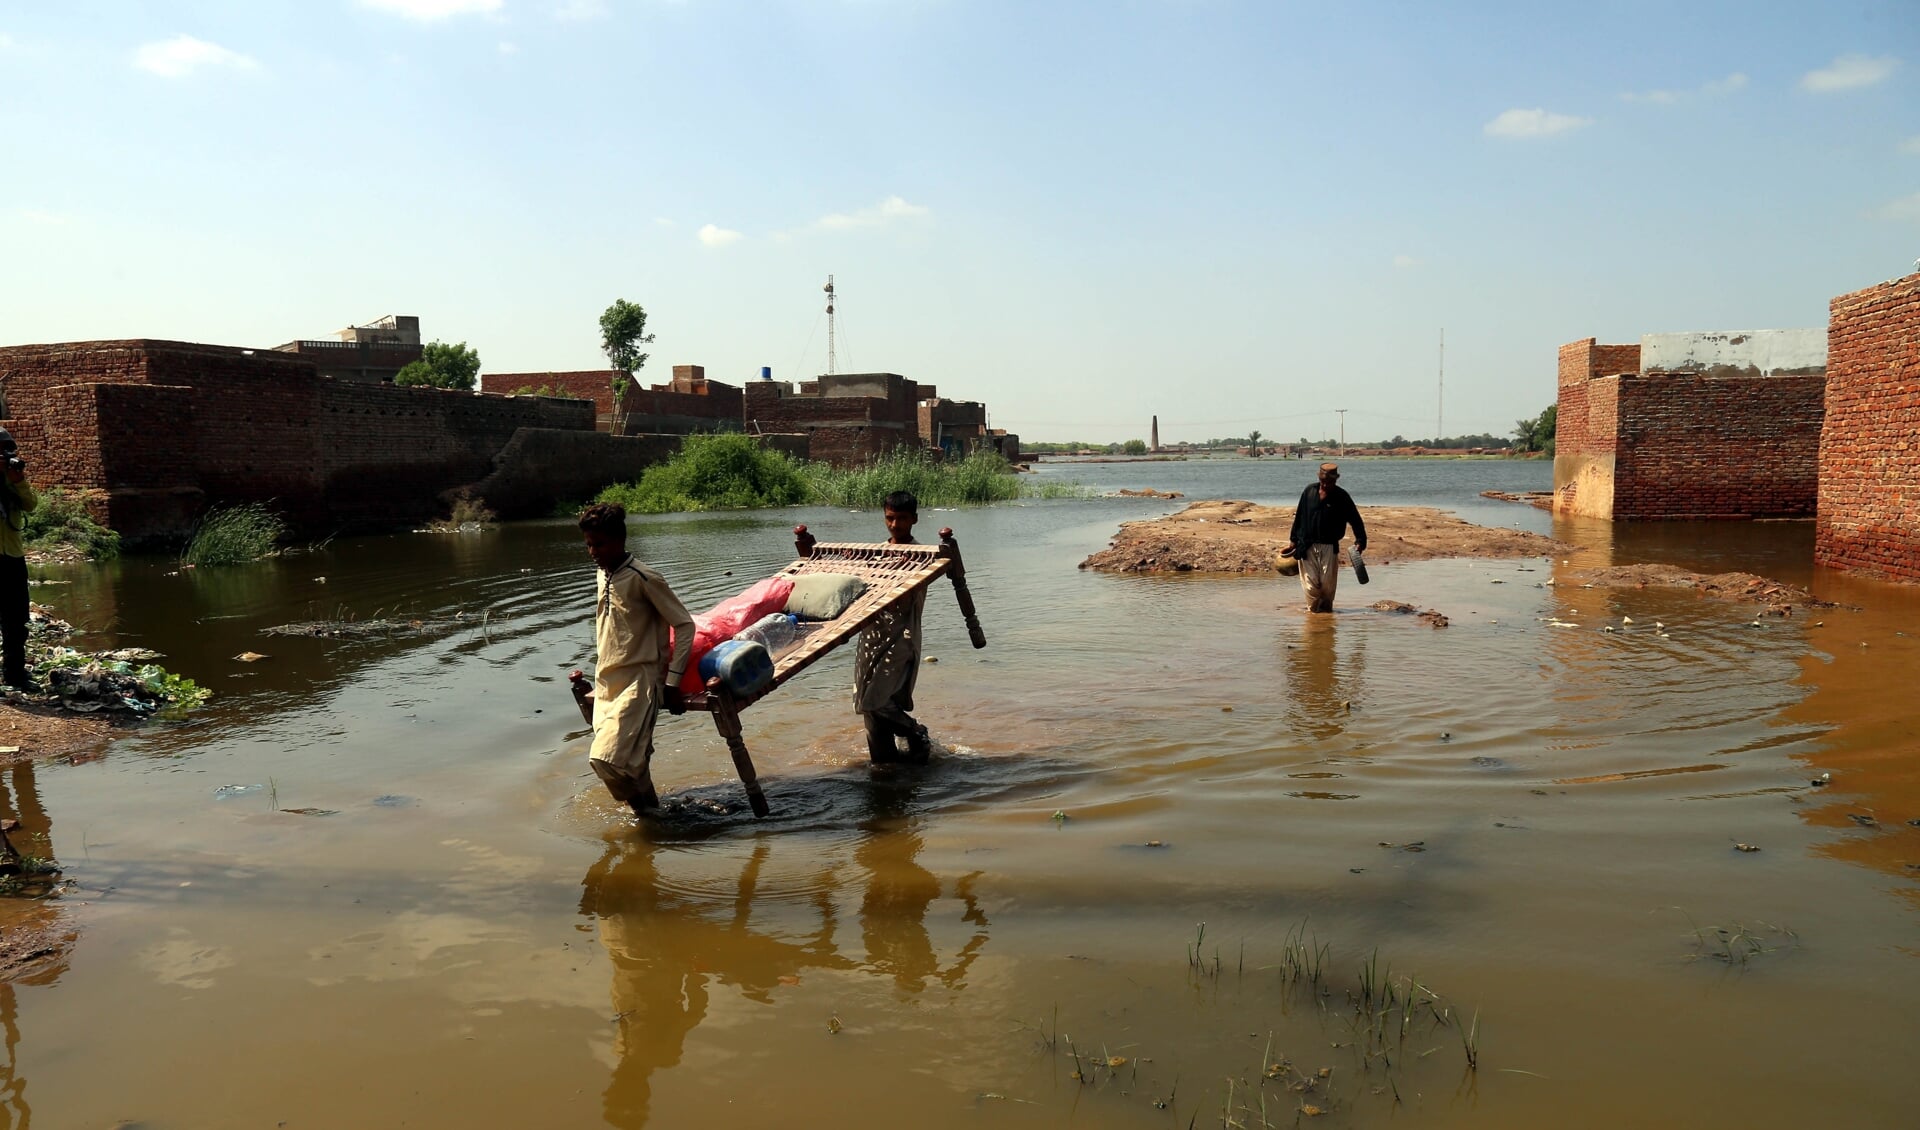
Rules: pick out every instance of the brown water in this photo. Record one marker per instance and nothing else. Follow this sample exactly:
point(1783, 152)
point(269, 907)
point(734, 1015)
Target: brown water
point(474, 936)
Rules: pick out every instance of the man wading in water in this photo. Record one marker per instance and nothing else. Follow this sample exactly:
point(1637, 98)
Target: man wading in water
point(631, 619)
point(1319, 522)
point(888, 660)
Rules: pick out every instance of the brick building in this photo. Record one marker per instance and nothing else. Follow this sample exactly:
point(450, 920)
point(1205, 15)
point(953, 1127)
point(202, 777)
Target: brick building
point(372, 354)
point(848, 418)
point(1869, 477)
point(156, 431)
point(955, 428)
point(687, 404)
point(1690, 426)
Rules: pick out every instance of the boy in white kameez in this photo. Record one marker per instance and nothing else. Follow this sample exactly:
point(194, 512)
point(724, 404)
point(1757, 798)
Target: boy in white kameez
point(636, 675)
point(888, 659)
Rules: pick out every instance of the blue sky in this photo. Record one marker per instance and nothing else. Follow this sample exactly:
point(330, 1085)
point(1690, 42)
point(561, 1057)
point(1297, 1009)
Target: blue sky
point(1233, 215)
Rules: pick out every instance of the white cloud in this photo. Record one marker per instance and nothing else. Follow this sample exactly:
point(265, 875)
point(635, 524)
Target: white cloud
point(715, 236)
point(509, 48)
point(1849, 72)
point(888, 210)
point(574, 11)
point(1911, 146)
point(1533, 123)
point(1405, 261)
point(426, 11)
point(1715, 88)
point(183, 54)
point(1906, 208)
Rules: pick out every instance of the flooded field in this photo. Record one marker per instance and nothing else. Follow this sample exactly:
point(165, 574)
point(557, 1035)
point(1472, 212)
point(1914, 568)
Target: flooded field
point(1487, 876)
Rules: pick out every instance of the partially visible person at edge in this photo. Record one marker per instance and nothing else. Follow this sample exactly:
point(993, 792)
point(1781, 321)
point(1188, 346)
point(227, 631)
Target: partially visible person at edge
point(888, 659)
point(16, 498)
point(639, 665)
point(1319, 522)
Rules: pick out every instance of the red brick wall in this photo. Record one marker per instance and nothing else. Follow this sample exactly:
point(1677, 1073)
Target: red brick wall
point(222, 425)
point(1869, 518)
point(1586, 425)
point(586, 384)
point(1713, 447)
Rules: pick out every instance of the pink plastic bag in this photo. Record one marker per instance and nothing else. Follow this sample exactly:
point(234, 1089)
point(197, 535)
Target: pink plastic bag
point(724, 620)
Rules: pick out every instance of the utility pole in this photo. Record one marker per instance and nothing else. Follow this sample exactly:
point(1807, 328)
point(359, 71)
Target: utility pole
point(1343, 431)
point(829, 290)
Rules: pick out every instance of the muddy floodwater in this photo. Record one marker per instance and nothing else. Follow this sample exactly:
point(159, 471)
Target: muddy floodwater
point(1486, 876)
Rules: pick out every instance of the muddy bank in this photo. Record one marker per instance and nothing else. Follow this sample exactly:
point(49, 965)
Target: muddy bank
point(1745, 588)
point(1540, 498)
point(1240, 537)
point(37, 732)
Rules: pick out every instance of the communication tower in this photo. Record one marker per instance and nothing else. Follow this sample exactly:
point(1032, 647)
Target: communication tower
point(829, 290)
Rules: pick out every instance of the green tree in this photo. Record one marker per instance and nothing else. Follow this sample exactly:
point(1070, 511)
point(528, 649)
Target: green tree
point(623, 330)
point(1134, 447)
point(1544, 429)
point(1526, 434)
point(441, 366)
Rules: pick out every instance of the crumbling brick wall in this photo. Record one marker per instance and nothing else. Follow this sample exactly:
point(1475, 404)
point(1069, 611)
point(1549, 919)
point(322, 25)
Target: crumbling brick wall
point(584, 384)
point(1586, 428)
point(1869, 520)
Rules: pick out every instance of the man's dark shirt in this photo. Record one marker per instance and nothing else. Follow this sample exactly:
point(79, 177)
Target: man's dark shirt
point(1317, 521)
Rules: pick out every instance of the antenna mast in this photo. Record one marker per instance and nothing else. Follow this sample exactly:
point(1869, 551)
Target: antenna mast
point(1440, 405)
point(829, 290)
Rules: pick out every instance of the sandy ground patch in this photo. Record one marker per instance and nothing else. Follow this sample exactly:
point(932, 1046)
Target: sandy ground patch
point(1240, 537)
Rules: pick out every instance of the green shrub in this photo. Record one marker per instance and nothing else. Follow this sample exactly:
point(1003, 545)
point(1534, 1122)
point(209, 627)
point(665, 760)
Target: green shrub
point(727, 471)
point(61, 519)
point(234, 535)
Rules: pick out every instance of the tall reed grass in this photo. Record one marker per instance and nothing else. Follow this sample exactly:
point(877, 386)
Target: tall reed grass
point(234, 535)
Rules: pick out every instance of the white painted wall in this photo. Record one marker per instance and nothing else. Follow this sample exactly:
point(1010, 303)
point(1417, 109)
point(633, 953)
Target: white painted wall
point(1769, 351)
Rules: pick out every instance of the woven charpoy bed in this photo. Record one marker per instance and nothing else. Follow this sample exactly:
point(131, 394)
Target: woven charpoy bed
point(892, 574)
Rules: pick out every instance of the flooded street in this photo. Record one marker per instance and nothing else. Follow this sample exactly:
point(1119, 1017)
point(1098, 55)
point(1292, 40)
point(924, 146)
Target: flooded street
point(373, 883)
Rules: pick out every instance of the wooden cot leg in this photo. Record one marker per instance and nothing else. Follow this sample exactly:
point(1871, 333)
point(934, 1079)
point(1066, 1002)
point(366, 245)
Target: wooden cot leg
point(726, 719)
point(950, 549)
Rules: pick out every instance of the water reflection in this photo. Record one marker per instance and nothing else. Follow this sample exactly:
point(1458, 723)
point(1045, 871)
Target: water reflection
point(1319, 685)
point(39, 944)
point(673, 934)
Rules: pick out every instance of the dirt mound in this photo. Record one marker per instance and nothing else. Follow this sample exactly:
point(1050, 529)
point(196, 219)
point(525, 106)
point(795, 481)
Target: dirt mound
point(1433, 617)
point(1746, 588)
point(1224, 536)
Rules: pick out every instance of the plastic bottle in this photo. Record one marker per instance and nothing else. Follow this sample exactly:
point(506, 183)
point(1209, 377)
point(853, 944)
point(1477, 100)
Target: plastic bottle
point(774, 632)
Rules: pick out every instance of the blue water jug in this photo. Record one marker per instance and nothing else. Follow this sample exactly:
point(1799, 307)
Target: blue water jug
point(743, 667)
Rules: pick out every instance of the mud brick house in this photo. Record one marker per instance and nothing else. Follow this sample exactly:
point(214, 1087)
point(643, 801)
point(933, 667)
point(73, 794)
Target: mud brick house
point(956, 428)
point(848, 417)
point(1869, 519)
point(1691, 426)
point(687, 404)
point(373, 353)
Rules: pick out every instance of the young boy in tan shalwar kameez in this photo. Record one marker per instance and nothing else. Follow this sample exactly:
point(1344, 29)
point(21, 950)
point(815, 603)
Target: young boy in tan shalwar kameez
point(636, 676)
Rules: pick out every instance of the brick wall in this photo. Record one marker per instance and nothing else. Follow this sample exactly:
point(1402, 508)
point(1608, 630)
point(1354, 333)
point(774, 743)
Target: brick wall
point(1698, 447)
point(845, 428)
point(171, 427)
point(586, 384)
point(1681, 446)
point(1869, 518)
point(1586, 440)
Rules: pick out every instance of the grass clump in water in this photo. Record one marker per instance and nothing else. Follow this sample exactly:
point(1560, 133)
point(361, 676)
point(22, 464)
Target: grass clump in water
point(234, 535)
point(61, 524)
point(726, 471)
